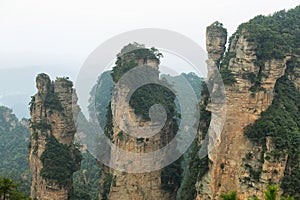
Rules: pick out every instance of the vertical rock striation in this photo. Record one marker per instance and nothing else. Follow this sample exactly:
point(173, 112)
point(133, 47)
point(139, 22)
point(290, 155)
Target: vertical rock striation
point(216, 38)
point(235, 161)
point(138, 186)
point(52, 155)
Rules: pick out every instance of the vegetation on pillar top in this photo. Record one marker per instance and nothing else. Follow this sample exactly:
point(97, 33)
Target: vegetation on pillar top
point(217, 26)
point(273, 37)
point(128, 57)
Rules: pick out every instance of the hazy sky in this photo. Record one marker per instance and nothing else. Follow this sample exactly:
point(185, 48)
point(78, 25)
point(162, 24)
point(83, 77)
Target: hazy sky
point(63, 33)
point(57, 36)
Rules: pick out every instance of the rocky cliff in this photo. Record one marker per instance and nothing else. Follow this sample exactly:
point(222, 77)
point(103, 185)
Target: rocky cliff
point(250, 70)
point(52, 155)
point(127, 116)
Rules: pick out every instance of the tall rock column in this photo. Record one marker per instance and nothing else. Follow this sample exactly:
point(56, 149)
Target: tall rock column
point(216, 38)
point(153, 185)
point(235, 160)
point(52, 155)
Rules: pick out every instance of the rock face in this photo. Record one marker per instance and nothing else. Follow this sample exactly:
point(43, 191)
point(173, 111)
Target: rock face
point(53, 112)
point(235, 159)
point(295, 73)
point(138, 186)
point(216, 38)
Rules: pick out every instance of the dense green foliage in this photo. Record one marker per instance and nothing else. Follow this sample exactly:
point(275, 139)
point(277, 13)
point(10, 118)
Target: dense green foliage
point(108, 129)
point(86, 180)
point(227, 76)
point(103, 113)
point(108, 180)
point(58, 162)
point(229, 196)
point(273, 37)
point(218, 26)
point(127, 58)
point(195, 82)
point(13, 149)
point(42, 126)
point(281, 122)
point(191, 78)
point(171, 176)
point(52, 102)
point(180, 174)
point(144, 98)
point(270, 194)
point(9, 190)
point(197, 167)
point(66, 82)
point(100, 97)
point(148, 95)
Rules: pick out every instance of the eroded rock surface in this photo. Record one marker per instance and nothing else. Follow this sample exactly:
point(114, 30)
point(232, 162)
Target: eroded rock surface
point(53, 112)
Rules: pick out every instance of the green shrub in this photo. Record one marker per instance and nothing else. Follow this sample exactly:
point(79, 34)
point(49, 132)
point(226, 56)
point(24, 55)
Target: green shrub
point(126, 60)
point(229, 196)
point(108, 180)
point(227, 76)
point(281, 122)
point(171, 176)
point(52, 101)
point(197, 166)
point(58, 162)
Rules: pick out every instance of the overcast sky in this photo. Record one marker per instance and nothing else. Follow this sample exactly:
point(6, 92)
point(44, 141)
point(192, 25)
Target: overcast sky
point(63, 33)
point(57, 36)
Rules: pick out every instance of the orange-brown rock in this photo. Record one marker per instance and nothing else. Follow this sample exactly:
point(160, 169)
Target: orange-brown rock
point(135, 186)
point(229, 166)
point(59, 119)
point(216, 38)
